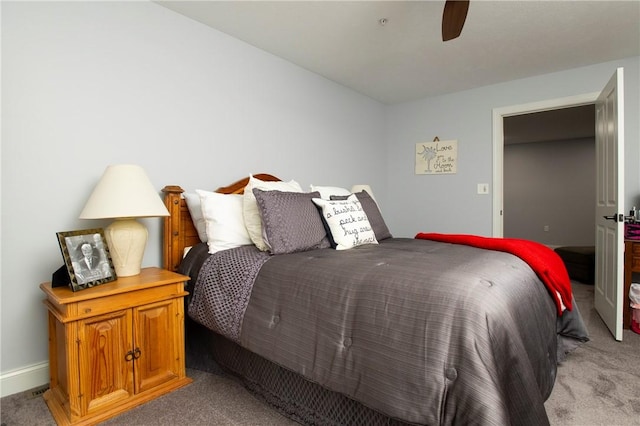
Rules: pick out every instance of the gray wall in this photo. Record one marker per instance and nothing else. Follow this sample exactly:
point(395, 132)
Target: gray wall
point(449, 203)
point(550, 184)
point(88, 84)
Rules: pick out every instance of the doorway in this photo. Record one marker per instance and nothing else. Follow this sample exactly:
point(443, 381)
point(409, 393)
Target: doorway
point(609, 183)
point(499, 114)
point(548, 176)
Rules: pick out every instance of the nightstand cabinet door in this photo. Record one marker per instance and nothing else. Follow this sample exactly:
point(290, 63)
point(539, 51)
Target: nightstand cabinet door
point(155, 327)
point(105, 374)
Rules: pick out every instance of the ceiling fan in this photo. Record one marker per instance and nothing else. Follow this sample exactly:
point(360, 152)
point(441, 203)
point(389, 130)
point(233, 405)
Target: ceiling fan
point(453, 17)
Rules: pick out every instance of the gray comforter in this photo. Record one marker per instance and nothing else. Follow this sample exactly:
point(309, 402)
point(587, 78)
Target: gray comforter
point(425, 332)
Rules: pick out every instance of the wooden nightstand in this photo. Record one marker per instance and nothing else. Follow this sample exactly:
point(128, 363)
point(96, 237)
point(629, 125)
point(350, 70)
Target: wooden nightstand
point(114, 346)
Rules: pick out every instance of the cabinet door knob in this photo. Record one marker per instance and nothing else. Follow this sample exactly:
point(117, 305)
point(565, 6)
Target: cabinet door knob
point(134, 354)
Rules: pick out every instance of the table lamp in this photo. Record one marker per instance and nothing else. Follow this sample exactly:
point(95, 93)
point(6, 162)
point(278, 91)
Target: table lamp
point(124, 193)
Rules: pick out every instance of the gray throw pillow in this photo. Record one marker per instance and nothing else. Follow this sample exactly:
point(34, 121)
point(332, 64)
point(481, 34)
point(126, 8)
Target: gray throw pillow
point(370, 207)
point(291, 221)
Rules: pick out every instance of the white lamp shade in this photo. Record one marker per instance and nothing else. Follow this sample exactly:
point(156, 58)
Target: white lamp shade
point(358, 188)
point(124, 191)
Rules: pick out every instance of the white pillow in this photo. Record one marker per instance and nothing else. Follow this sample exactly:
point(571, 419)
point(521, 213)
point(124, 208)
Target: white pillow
point(327, 191)
point(252, 219)
point(347, 222)
point(195, 209)
point(224, 222)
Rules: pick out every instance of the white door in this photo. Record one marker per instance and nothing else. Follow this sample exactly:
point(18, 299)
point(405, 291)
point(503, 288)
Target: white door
point(610, 204)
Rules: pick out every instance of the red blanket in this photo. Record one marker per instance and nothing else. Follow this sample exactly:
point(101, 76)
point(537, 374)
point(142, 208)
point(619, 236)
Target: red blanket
point(545, 262)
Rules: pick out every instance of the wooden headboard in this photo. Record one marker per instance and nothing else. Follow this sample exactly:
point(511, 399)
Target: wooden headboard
point(179, 230)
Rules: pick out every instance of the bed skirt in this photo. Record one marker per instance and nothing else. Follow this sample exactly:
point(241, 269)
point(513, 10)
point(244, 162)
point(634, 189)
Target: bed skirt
point(289, 393)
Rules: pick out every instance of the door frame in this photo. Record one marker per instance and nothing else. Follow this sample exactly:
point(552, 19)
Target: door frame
point(498, 144)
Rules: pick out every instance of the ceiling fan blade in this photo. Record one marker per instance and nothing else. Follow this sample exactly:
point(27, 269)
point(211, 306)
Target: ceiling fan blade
point(453, 17)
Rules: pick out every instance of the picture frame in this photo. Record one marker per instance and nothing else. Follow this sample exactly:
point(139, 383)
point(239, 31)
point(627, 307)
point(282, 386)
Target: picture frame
point(86, 258)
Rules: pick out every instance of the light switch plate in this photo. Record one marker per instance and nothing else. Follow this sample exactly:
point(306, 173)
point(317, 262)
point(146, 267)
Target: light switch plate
point(483, 188)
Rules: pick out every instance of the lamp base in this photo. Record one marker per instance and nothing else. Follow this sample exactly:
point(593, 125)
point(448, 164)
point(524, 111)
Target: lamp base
point(127, 239)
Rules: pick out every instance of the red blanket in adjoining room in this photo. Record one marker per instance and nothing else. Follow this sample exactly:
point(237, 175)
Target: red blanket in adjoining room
point(545, 262)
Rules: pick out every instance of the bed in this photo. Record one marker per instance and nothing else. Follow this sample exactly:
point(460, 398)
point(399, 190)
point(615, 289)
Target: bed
point(400, 331)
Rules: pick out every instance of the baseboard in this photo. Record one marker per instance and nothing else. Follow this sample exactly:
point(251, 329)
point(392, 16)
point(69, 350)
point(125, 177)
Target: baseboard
point(23, 379)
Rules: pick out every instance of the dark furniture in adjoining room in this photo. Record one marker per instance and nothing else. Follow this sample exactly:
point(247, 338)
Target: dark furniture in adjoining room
point(580, 262)
point(631, 266)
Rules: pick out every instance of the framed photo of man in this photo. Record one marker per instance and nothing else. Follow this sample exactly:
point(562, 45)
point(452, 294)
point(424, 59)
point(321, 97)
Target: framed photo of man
point(86, 257)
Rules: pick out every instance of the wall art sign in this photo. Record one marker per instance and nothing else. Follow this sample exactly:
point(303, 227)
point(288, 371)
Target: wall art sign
point(437, 157)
